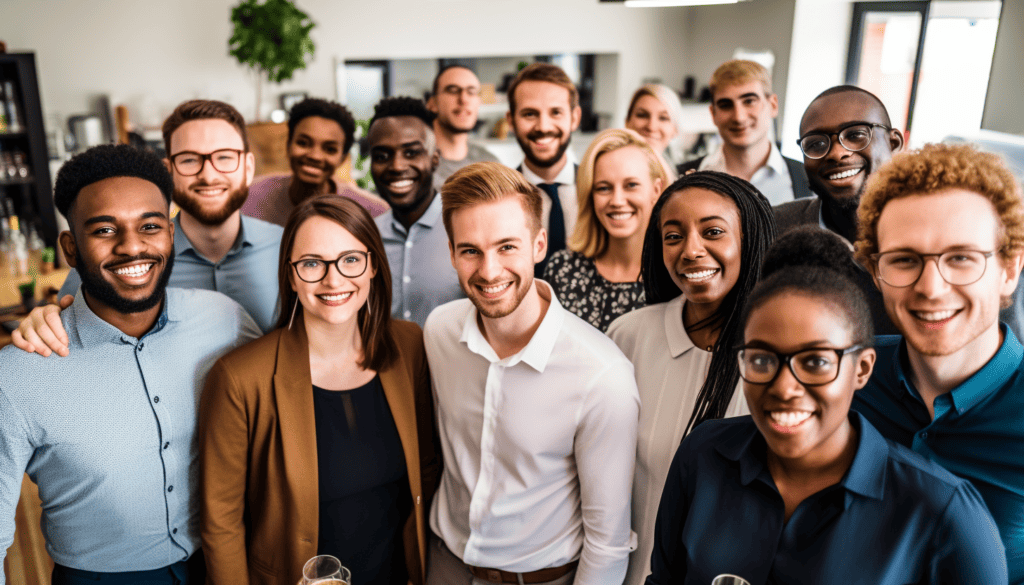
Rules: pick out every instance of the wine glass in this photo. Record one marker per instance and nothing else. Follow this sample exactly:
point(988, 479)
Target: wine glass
point(729, 580)
point(325, 570)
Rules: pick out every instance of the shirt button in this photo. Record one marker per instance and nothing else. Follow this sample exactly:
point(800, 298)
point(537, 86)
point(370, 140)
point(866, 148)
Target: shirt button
point(407, 314)
point(170, 489)
point(924, 434)
point(156, 400)
point(166, 445)
point(408, 244)
point(406, 278)
point(175, 531)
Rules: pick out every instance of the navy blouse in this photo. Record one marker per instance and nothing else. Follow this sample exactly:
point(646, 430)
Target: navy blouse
point(895, 518)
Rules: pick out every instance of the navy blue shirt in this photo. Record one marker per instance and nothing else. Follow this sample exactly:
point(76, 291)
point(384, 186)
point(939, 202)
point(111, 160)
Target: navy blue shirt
point(977, 432)
point(895, 518)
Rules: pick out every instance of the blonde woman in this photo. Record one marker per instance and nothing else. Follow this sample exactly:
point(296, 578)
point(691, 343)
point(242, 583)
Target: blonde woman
point(654, 113)
point(598, 276)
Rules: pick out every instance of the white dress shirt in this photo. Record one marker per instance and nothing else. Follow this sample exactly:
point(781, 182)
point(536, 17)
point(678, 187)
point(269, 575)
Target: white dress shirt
point(669, 373)
point(566, 195)
point(538, 447)
point(772, 180)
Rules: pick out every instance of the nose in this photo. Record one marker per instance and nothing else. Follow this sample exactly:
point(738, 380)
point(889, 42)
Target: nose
point(490, 268)
point(207, 172)
point(129, 243)
point(836, 150)
point(694, 247)
point(618, 198)
point(785, 386)
point(545, 123)
point(333, 276)
point(931, 284)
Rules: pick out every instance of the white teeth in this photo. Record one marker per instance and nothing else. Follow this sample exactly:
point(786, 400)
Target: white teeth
point(133, 270)
point(621, 215)
point(935, 315)
point(545, 141)
point(701, 274)
point(789, 418)
point(340, 297)
point(496, 289)
point(402, 184)
point(844, 174)
point(209, 191)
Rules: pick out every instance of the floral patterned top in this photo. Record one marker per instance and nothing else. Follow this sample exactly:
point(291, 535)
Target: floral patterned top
point(582, 290)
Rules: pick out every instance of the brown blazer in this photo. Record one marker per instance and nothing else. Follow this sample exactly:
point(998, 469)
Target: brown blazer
point(259, 495)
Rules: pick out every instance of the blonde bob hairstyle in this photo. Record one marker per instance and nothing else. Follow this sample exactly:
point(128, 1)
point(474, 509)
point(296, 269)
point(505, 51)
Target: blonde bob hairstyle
point(663, 94)
point(589, 237)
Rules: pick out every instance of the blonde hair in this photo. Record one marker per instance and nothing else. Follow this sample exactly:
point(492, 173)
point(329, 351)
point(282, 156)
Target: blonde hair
point(663, 94)
point(739, 71)
point(589, 237)
point(488, 182)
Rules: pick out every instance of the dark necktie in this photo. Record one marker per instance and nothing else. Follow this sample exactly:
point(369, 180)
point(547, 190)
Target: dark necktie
point(556, 221)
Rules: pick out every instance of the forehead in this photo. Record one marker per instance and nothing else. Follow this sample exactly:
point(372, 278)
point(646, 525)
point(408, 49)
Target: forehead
point(650, 103)
point(834, 111)
point(206, 136)
point(122, 198)
point(397, 130)
point(491, 221)
point(791, 319)
point(459, 76)
point(323, 236)
point(625, 161)
point(541, 94)
point(320, 128)
point(694, 204)
point(938, 221)
point(735, 90)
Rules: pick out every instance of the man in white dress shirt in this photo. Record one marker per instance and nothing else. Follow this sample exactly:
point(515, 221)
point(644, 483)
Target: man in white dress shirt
point(537, 410)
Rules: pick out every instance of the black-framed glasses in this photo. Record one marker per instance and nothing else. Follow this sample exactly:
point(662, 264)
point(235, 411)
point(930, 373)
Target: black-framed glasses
point(813, 367)
point(855, 137)
point(189, 164)
point(903, 268)
point(351, 264)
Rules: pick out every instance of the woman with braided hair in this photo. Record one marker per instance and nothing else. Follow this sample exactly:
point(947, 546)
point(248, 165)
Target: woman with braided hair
point(702, 255)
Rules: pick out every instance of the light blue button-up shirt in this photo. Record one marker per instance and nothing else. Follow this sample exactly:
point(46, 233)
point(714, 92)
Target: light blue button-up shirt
point(247, 273)
point(422, 275)
point(108, 433)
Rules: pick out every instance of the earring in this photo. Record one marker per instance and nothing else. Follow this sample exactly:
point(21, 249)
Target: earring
point(294, 307)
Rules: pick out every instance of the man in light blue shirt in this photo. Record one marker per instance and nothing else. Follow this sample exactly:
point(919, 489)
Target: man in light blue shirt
point(107, 433)
point(217, 248)
point(403, 158)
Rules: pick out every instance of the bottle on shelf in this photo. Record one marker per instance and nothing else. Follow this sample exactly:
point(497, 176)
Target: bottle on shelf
point(17, 260)
point(11, 106)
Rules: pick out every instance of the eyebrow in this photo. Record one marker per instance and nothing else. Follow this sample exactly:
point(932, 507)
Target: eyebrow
point(838, 128)
point(950, 248)
point(509, 240)
point(112, 219)
point(307, 136)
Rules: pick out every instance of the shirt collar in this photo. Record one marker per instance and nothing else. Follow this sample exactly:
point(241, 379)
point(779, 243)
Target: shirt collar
point(679, 341)
point(92, 330)
point(775, 161)
point(566, 176)
point(991, 377)
point(536, 353)
point(183, 244)
point(715, 160)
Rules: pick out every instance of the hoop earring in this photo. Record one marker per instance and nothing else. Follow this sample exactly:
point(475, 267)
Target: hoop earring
point(294, 307)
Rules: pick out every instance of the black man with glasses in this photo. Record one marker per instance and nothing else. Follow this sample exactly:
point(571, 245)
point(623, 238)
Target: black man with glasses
point(217, 248)
point(942, 232)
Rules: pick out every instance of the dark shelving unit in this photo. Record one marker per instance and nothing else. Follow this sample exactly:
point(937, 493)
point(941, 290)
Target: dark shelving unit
point(33, 195)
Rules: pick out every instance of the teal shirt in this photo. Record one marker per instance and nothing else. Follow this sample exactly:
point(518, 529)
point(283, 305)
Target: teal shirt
point(977, 432)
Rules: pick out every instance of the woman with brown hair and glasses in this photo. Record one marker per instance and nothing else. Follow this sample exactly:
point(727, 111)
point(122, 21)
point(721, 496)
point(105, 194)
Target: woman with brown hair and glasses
point(317, 438)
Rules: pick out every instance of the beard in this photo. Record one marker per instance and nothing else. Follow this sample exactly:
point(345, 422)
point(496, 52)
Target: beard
point(453, 129)
point(99, 289)
point(520, 289)
point(211, 217)
point(536, 161)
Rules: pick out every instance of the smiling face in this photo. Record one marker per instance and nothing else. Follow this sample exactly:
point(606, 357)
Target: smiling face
point(803, 422)
point(624, 192)
point(403, 157)
point(701, 236)
point(543, 122)
point(122, 244)
point(211, 196)
point(743, 114)
point(935, 317)
point(651, 119)
point(315, 150)
point(841, 175)
point(457, 100)
point(336, 299)
point(494, 251)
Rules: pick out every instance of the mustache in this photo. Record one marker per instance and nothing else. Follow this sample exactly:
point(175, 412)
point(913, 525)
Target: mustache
point(126, 261)
point(537, 134)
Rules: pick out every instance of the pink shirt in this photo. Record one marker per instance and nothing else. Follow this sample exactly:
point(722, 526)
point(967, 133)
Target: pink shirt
point(268, 199)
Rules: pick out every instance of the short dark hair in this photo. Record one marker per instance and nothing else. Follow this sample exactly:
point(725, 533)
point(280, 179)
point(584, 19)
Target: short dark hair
point(543, 72)
point(814, 262)
point(203, 110)
point(104, 162)
point(402, 106)
point(443, 70)
point(380, 350)
point(324, 109)
point(852, 89)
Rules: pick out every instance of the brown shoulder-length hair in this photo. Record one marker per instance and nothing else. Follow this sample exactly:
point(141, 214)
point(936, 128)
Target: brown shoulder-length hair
point(379, 348)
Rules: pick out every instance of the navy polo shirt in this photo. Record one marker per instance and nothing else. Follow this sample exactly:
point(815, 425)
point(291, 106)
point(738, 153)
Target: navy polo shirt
point(977, 432)
point(894, 518)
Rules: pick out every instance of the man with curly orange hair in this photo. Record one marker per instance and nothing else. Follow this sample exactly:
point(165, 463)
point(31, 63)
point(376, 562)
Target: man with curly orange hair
point(942, 232)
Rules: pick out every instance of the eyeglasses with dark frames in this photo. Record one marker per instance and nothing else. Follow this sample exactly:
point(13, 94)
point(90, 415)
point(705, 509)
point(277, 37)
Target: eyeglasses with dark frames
point(811, 367)
point(903, 268)
point(190, 164)
point(351, 264)
point(854, 137)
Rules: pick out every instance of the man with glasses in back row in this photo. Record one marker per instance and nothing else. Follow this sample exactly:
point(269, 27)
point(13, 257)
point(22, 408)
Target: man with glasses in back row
point(942, 233)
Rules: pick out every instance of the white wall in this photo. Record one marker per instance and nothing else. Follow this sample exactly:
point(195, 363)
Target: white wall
point(1003, 110)
point(152, 55)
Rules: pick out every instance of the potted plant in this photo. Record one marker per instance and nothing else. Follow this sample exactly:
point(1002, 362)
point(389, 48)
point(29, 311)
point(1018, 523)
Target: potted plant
point(272, 38)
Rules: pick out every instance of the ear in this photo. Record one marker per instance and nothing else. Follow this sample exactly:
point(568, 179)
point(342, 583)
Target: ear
point(577, 115)
point(250, 167)
point(69, 247)
point(451, 251)
point(167, 164)
point(1011, 273)
point(773, 102)
point(435, 159)
point(658, 188)
point(540, 245)
point(432, 103)
point(510, 120)
point(864, 365)
point(711, 108)
point(896, 142)
point(170, 228)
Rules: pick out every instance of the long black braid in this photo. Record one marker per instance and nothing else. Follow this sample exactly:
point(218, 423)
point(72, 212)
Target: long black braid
point(758, 225)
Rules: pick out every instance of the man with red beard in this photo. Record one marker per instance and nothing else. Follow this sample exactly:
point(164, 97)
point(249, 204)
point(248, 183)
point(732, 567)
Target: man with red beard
point(544, 110)
point(217, 248)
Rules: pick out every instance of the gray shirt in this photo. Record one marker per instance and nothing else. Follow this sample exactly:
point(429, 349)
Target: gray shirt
point(447, 168)
point(422, 275)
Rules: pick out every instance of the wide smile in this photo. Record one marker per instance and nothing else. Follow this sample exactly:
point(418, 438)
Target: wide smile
point(493, 291)
point(787, 421)
point(401, 186)
point(935, 319)
point(545, 142)
point(335, 299)
point(844, 177)
point(620, 216)
point(134, 274)
point(699, 276)
point(210, 191)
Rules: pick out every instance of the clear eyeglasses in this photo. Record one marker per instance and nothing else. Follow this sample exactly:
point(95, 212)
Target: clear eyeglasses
point(855, 138)
point(957, 267)
point(351, 264)
point(189, 164)
point(814, 366)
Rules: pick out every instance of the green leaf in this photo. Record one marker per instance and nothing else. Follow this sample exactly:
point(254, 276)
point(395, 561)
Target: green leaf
point(271, 36)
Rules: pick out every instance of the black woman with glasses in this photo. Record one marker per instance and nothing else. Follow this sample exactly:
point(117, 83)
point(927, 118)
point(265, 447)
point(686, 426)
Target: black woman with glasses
point(804, 491)
point(317, 439)
point(845, 136)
